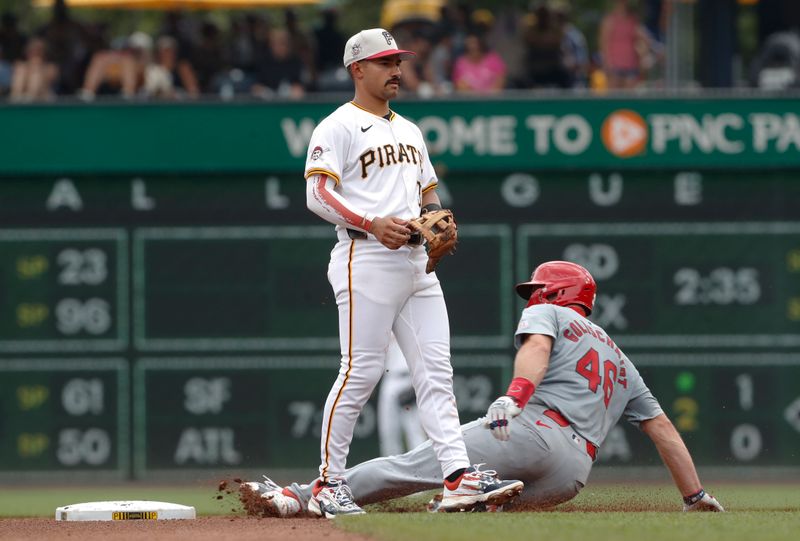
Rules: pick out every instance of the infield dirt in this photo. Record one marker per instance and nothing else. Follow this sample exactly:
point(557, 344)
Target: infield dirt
point(202, 529)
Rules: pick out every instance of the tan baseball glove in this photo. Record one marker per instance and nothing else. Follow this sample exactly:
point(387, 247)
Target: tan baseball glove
point(438, 228)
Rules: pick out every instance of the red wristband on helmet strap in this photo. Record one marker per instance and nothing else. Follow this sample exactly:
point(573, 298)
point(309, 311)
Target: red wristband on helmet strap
point(521, 390)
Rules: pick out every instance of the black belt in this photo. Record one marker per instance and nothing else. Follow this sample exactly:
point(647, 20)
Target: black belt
point(415, 239)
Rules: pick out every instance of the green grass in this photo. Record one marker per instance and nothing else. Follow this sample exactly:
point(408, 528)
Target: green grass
point(763, 512)
point(648, 526)
point(601, 512)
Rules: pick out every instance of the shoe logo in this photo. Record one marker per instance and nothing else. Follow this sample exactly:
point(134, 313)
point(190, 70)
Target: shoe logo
point(540, 423)
point(365, 129)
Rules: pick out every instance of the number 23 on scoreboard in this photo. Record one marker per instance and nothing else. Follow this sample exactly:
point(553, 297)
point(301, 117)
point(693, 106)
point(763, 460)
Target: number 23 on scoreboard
point(588, 366)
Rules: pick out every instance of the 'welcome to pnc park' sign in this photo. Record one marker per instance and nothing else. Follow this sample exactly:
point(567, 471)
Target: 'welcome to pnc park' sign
point(463, 135)
point(586, 133)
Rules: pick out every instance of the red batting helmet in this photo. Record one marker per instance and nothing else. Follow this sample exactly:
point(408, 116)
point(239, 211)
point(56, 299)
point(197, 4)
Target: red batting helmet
point(561, 283)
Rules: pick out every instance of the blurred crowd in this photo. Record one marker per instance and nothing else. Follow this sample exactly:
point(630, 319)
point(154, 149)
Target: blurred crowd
point(464, 50)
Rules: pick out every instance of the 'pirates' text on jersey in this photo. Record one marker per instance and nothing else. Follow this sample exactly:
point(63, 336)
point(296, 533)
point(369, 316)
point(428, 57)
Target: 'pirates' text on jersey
point(380, 165)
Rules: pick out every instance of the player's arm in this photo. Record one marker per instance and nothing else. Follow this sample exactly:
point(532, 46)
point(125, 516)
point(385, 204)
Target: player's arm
point(530, 366)
point(325, 202)
point(430, 201)
point(679, 462)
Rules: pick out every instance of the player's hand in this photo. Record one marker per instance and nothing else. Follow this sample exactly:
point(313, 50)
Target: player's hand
point(499, 416)
point(391, 231)
point(706, 503)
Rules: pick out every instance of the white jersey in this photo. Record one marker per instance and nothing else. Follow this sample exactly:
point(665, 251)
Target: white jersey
point(361, 166)
point(380, 166)
point(589, 381)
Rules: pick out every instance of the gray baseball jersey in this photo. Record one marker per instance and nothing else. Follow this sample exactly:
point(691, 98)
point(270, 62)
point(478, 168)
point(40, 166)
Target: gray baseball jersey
point(589, 380)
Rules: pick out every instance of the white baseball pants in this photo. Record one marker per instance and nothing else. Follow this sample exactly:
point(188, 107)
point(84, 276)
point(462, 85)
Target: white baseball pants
point(380, 291)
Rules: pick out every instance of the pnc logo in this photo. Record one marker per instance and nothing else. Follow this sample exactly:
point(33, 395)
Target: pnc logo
point(625, 133)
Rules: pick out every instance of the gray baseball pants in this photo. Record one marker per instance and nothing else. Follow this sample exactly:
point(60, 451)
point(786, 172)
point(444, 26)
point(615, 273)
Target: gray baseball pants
point(551, 460)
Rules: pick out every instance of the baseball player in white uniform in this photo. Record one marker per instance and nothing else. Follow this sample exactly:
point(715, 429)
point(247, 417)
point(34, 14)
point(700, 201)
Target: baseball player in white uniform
point(368, 173)
point(399, 427)
point(571, 385)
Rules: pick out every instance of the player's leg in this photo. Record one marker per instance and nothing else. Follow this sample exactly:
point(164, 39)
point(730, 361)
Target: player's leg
point(552, 467)
point(385, 478)
point(394, 396)
point(357, 275)
point(360, 370)
point(423, 333)
point(524, 457)
point(556, 466)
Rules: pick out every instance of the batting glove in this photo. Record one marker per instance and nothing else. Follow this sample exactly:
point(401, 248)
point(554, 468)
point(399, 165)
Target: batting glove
point(702, 501)
point(499, 416)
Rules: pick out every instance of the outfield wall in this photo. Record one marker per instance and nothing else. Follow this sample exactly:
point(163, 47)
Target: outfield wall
point(151, 320)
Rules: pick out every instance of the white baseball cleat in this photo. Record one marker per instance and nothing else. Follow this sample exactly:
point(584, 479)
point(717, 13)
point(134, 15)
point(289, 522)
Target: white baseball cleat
point(478, 490)
point(436, 501)
point(268, 499)
point(703, 501)
point(333, 499)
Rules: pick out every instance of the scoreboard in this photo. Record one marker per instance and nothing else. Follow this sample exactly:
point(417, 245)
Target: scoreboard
point(235, 412)
point(66, 415)
point(684, 285)
point(152, 323)
point(64, 290)
point(731, 409)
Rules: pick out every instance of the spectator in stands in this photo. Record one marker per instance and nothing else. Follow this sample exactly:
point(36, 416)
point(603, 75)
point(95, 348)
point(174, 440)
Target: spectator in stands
point(301, 46)
point(456, 20)
point(65, 44)
point(479, 70)
point(544, 60)
point(181, 28)
point(574, 49)
point(34, 77)
point(169, 77)
point(417, 75)
point(598, 80)
point(440, 62)
point(242, 42)
point(12, 48)
point(12, 41)
point(329, 41)
point(208, 57)
point(504, 37)
point(118, 71)
point(654, 19)
point(279, 69)
point(622, 40)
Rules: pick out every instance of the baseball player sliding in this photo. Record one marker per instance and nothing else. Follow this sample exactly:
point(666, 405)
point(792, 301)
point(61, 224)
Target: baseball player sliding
point(368, 172)
point(571, 385)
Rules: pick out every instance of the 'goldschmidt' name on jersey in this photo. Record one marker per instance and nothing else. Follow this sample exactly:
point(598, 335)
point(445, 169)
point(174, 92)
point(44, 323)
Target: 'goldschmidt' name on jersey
point(579, 328)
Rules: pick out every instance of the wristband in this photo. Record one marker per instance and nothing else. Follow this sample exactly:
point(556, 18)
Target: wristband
point(430, 207)
point(366, 222)
point(521, 390)
point(694, 498)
